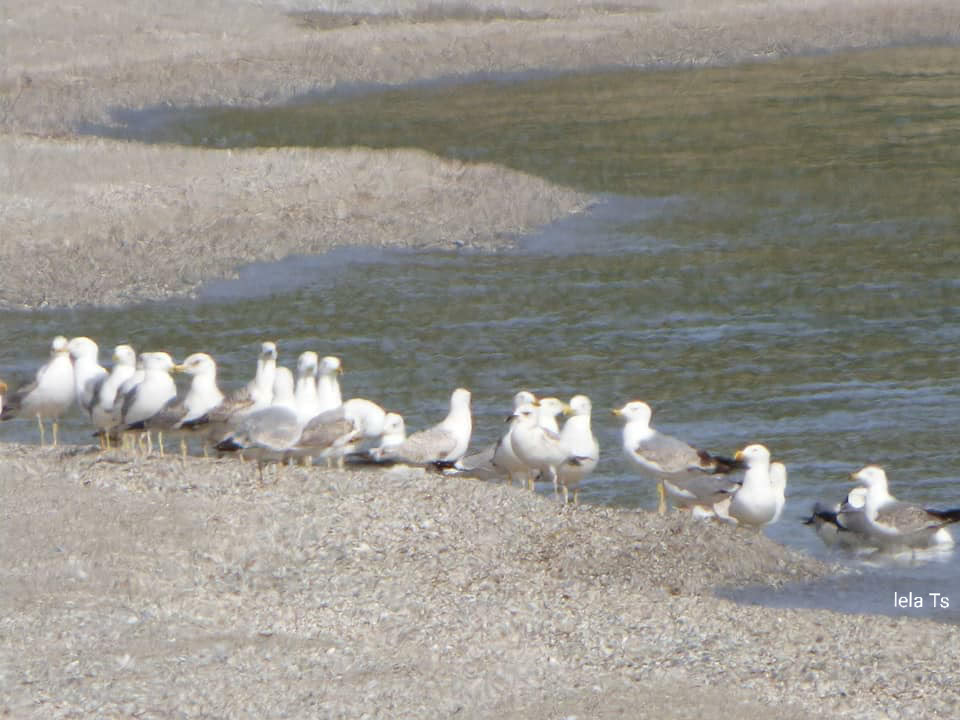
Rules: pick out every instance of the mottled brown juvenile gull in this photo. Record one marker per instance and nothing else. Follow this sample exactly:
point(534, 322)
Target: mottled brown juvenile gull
point(51, 393)
point(444, 443)
point(690, 476)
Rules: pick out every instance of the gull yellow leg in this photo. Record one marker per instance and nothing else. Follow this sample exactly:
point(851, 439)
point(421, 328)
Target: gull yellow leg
point(55, 426)
point(42, 432)
point(662, 496)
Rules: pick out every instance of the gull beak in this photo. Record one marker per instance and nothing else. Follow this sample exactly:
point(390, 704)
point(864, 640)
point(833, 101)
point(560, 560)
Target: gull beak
point(616, 411)
point(738, 456)
point(179, 368)
point(567, 410)
point(3, 386)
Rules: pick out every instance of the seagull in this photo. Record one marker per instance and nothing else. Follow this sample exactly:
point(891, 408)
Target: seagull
point(760, 499)
point(268, 434)
point(260, 389)
point(203, 396)
point(537, 447)
point(886, 523)
point(504, 458)
point(692, 477)
point(328, 387)
point(394, 433)
point(217, 423)
point(105, 412)
point(51, 393)
point(329, 435)
point(547, 411)
point(88, 373)
point(498, 459)
point(823, 519)
point(443, 444)
point(152, 394)
point(308, 399)
point(578, 438)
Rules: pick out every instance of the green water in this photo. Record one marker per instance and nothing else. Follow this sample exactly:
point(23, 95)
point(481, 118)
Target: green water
point(774, 258)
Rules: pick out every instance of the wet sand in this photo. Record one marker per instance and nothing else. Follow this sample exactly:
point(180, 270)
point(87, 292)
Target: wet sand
point(146, 588)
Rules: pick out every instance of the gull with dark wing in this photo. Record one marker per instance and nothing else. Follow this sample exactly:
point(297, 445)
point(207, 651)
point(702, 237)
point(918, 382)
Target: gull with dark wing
point(105, 412)
point(151, 395)
point(330, 436)
point(51, 393)
point(215, 424)
point(759, 500)
point(889, 524)
point(203, 396)
point(497, 460)
point(443, 444)
point(268, 434)
point(88, 373)
point(690, 476)
point(823, 520)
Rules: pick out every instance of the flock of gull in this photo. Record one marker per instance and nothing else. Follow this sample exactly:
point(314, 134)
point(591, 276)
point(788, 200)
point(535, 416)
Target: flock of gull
point(281, 418)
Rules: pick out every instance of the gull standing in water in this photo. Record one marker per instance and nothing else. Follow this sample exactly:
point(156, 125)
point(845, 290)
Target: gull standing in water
point(886, 523)
point(443, 444)
point(578, 438)
point(690, 476)
point(823, 519)
point(50, 394)
point(105, 412)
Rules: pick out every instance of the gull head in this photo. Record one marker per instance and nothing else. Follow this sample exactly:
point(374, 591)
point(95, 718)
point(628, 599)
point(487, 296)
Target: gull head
point(331, 365)
point(307, 364)
point(460, 399)
point(83, 347)
point(59, 346)
point(579, 405)
point(856, 499)
point(124, 355)
point(268, 350)
point(525, 415)
point(636, 411)
point(552, 406)
point(393, 424)
point(524, 397)
point(871, 476)
point(197, 364)
point(158, 361)
point(753, 455)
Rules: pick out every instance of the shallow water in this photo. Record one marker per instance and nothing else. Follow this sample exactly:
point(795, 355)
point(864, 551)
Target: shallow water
point(774, 258)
